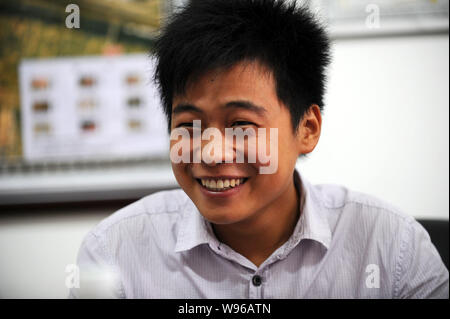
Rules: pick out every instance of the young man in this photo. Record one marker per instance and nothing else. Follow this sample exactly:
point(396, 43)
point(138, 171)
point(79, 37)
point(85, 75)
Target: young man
point(233, 231)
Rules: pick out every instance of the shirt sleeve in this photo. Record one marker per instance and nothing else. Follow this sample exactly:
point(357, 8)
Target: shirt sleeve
point(420, 271)
point(97, 276)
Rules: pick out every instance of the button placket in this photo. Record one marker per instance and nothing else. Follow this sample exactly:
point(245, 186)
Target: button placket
point(266, 277)
point(256, 280)
point(255, 285)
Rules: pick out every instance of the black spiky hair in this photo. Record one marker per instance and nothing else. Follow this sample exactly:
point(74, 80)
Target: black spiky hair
point(210, 34)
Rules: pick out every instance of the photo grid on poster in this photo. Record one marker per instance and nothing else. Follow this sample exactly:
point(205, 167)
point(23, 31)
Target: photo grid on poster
point(86, 108)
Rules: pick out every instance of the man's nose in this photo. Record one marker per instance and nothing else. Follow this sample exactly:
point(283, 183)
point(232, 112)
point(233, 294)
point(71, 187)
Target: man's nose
point(217, 150)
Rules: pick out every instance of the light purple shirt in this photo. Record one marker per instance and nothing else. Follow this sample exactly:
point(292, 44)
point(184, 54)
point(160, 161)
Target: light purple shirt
point(345, 245)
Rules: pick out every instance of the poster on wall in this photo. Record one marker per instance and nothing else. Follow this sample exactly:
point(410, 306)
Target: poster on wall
point(91, 108)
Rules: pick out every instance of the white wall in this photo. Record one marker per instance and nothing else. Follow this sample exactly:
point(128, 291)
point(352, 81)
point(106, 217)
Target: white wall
point(385, 132)
point(386, 123)
point(35, 250)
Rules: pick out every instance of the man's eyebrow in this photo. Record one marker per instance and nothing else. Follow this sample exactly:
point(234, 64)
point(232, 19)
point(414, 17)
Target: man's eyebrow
point(239, 104)
point(185, 107)
point(247, 105)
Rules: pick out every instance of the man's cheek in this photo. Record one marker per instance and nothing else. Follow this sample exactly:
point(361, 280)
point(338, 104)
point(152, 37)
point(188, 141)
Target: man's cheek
point(179, 171)
point(262, 150)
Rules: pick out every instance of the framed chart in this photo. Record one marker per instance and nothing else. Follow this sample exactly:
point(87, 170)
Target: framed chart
point(91, 108)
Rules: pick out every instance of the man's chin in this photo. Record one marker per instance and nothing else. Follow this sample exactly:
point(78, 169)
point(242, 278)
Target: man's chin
point(221, 216)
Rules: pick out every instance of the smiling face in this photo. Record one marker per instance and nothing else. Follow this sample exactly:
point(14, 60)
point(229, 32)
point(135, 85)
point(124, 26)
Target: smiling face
point(242, 96)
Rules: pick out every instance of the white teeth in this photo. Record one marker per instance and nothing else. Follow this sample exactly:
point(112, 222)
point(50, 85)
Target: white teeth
point(221, 183)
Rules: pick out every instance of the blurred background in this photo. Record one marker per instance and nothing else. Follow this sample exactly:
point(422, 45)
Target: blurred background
point(82, 133)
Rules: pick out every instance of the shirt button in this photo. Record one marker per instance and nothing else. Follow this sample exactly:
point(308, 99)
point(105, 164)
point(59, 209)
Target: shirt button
point(256, 280)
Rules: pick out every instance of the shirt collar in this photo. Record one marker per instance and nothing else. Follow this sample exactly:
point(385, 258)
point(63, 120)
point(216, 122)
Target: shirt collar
point(313, 223)
point(194, 230)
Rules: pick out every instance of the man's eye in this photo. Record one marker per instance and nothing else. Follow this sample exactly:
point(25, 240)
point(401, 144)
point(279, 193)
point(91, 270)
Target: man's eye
point(186, 124)
point(242, 123)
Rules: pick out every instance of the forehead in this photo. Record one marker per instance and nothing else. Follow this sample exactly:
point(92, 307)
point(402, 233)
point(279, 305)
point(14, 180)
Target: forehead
point(243, 81)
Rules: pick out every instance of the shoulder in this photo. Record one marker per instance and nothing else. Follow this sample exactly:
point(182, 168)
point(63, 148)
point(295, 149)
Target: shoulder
point(163, 207)
point(368, 230)
point(341, 200)
point(369, 221)
point(364, 218)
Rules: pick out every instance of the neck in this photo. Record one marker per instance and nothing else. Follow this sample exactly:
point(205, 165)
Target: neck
point(258, 237)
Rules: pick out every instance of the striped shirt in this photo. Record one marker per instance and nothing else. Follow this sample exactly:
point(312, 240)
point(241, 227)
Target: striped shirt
point(345, 245)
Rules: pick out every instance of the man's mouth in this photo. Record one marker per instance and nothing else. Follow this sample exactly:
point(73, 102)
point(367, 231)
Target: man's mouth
point(220, 184)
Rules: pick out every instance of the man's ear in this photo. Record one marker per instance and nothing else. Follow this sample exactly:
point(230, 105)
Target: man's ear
point(308, 131)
